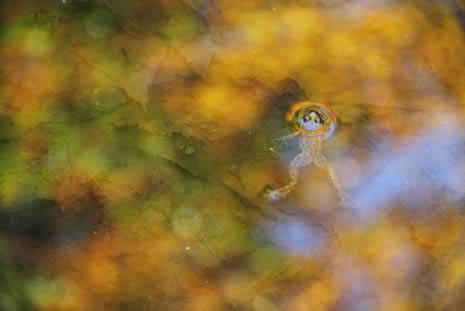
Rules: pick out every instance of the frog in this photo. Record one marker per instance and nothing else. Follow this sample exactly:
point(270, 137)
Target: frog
point(312, 123)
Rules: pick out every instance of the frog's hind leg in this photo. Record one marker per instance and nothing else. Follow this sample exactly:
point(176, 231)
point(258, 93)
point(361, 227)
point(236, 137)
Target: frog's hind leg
point(297, 163)
point(322, 162)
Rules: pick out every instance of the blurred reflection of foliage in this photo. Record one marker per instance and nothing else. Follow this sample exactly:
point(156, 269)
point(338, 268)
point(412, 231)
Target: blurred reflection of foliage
point(136, 136)
point(15, 277)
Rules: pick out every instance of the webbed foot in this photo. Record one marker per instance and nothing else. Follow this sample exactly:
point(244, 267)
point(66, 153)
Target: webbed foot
point(271, 194)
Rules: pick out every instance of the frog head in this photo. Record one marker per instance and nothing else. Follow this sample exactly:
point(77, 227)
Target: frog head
point(312, 119)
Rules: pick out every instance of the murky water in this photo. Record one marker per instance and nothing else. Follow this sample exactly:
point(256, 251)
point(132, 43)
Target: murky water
point(184, 155)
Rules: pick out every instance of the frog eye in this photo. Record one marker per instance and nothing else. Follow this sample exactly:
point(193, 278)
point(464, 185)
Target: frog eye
point(314, 116)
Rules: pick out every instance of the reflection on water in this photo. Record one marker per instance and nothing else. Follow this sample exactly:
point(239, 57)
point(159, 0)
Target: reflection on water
point(430, 162)
point(294, 235)
point(137, 137)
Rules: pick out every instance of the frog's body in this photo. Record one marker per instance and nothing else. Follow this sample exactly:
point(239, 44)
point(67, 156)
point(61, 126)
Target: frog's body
point(312, 123)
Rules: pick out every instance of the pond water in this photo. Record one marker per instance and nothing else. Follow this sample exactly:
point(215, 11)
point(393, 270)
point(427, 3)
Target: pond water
point(225, 155)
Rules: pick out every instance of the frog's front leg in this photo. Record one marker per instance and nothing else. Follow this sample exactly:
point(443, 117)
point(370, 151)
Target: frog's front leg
point(300, 161)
